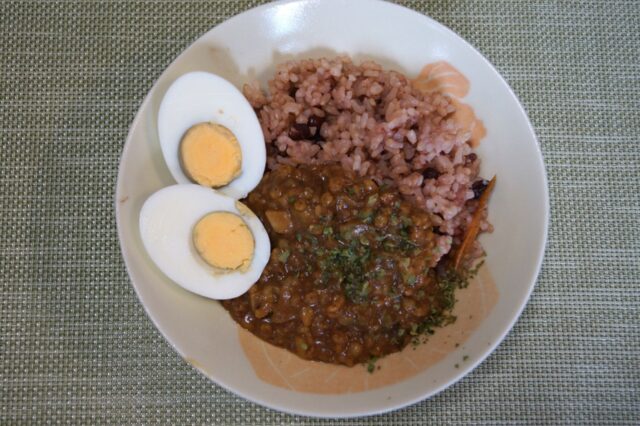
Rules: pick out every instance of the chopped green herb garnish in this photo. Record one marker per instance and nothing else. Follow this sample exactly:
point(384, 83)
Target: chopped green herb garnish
point(473, 272)
point(466, 357)
point(327, 231)
point(348, 265)
point(313, 240)
point(371, 365)
point(291, 199)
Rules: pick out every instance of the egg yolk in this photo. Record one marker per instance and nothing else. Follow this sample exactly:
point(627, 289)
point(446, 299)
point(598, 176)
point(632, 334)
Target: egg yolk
point(224, 241)
point(210, 155)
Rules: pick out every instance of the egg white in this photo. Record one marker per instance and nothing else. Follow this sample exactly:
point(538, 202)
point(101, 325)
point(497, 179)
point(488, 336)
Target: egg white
point(199, 97)
point(167, 219)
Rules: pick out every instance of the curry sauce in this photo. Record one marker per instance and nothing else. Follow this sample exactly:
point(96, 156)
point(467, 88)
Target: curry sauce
point(355, 273)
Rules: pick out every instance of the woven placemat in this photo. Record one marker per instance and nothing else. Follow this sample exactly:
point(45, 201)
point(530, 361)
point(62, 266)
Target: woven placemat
point(75, 343)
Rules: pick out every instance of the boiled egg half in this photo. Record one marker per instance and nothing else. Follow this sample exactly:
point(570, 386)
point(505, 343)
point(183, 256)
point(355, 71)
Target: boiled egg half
point(207, 242)
point(210, 135)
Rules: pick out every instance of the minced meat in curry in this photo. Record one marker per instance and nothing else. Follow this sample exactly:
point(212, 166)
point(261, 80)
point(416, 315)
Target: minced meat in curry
point(352, 274)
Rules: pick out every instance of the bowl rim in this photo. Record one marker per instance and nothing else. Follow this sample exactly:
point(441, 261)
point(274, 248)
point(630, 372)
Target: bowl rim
point(396, 405)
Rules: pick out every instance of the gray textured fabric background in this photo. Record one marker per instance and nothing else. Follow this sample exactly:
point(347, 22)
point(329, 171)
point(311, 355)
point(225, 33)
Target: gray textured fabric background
point(75, 343)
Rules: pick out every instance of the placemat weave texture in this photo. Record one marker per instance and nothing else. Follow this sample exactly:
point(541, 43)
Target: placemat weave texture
point(75, 343)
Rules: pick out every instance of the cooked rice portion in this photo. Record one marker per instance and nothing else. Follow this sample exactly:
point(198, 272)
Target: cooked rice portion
point(373, 122)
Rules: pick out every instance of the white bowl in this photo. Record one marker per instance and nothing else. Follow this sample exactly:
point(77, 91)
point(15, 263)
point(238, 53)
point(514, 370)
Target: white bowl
point(247, 47)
